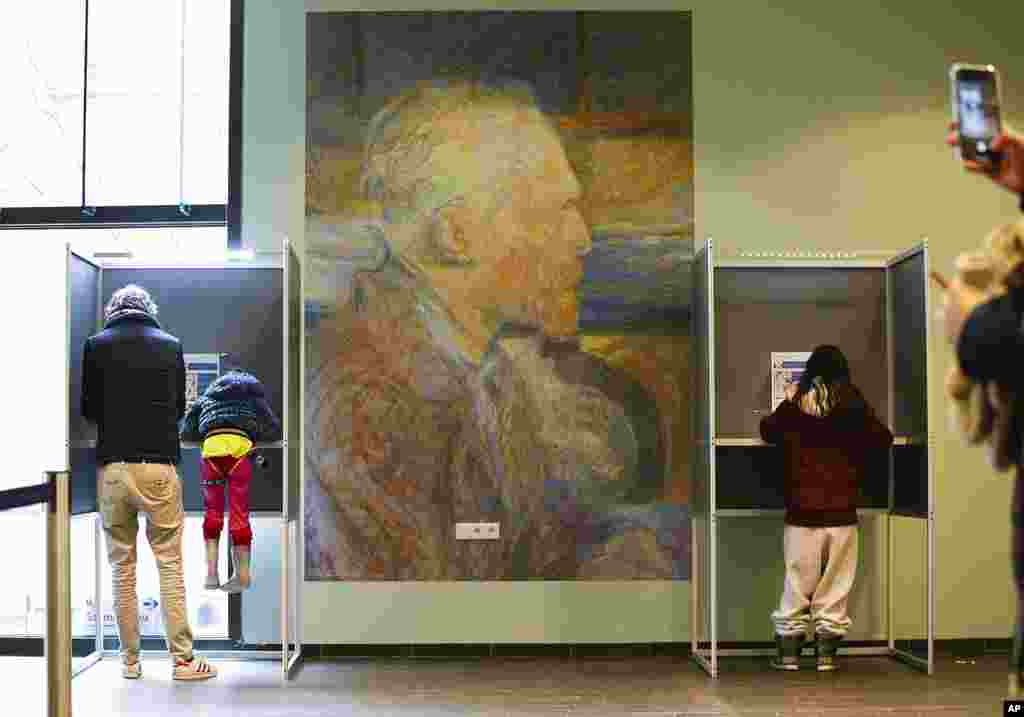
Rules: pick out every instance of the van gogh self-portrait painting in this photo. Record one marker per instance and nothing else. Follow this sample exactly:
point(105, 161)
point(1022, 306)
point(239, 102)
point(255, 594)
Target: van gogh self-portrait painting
point(499, 234)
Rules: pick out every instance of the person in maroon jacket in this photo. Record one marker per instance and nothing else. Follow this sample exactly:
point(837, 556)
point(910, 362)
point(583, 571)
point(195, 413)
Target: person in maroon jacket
point(825, 427)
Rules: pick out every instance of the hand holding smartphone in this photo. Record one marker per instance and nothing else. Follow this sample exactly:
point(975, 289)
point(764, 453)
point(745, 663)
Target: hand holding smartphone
point(975, 96)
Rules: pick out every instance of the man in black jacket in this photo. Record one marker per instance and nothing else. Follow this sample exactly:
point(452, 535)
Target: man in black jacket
point(133, 389)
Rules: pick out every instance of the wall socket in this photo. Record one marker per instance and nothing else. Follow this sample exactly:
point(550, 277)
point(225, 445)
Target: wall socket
point(477, 531)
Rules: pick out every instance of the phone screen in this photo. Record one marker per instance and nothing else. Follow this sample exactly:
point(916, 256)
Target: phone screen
point(977, 111)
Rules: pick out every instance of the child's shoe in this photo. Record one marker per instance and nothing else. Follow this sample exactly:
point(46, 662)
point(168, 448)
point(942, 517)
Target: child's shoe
point(828, 646)
point(788, 648)
point(240, 580)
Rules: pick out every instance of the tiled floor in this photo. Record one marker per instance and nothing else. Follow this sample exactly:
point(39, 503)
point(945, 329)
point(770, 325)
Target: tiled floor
point(648, 687)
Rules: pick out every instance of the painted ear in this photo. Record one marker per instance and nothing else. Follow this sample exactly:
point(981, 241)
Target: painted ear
point(447, 238)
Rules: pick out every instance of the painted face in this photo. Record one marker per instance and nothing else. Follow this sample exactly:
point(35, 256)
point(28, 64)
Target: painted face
point(528, 247)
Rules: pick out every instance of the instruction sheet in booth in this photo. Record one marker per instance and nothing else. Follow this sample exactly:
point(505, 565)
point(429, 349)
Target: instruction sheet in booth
point(200, 371)
point(787, 368)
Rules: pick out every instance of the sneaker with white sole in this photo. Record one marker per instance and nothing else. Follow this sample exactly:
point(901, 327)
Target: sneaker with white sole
point(195, 669)
point(131, 670)
point(827, 647)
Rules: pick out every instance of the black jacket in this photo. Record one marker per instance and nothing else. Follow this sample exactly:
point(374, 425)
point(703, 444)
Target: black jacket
point(236, 400)
point(133, 389)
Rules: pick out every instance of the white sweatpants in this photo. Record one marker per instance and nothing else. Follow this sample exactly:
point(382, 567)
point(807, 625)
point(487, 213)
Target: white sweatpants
point(821, 564)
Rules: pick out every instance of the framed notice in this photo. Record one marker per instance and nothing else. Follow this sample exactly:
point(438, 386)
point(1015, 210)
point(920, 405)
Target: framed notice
point(787, 368)
point(200, 371)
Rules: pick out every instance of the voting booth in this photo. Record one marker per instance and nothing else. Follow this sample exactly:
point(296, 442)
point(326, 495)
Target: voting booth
point(754, 314)
point(231, 313)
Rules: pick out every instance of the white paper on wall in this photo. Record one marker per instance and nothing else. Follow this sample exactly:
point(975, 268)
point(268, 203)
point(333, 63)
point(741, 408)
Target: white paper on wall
point(200, 371)
point(787, 368)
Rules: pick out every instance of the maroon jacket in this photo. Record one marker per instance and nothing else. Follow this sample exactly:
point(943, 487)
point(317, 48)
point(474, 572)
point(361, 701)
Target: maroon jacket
point(824, 458)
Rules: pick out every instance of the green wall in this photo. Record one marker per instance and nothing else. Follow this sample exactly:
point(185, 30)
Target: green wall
point(817, 126)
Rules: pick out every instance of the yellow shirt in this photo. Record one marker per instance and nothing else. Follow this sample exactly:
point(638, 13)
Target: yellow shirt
point(226, 444)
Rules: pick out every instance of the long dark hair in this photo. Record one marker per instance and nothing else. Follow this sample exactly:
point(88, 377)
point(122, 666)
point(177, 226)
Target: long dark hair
point(827, 374)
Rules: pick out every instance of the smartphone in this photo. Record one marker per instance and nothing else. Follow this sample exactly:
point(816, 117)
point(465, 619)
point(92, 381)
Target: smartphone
point(975, 95)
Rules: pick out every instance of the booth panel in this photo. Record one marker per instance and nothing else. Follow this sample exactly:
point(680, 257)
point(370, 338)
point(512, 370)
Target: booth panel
point(261, 603)
point(292, 430)
point(83, 479)
point(702, 574)
point(910, 480)
point(908, 284)
point(907, 281)
point(751, 571)
point(84, 321)
point(84, 536)
point(910, 585)
point(702, 397)
point(761, 310)
point(751, 477)
point(235, 312)
point(207, 609)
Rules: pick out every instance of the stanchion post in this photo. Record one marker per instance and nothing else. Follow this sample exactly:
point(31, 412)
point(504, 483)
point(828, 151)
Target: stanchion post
point(58, 595)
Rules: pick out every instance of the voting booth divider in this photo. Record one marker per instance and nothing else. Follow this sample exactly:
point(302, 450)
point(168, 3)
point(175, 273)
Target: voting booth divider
point(747, 307)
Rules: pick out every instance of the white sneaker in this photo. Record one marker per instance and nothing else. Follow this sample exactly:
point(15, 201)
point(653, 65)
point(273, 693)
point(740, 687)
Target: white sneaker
point(195, 669)
point(131, 670)
point(212, 582)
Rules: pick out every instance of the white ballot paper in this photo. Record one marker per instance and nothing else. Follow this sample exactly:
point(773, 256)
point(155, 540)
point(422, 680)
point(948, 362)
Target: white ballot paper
point(787, 368)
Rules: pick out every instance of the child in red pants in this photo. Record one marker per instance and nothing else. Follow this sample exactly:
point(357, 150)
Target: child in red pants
point(232, 416)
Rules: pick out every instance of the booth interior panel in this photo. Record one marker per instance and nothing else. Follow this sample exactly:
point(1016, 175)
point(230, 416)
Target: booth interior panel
point(83, 479)
point(845, 307)
point(292, 431)
point(910, 350)
point(752, 478)
point(84, 284)
point(233, 312)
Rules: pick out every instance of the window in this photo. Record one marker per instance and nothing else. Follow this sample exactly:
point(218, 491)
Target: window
point(157, 113)
point(42, 52)
point(114, 104)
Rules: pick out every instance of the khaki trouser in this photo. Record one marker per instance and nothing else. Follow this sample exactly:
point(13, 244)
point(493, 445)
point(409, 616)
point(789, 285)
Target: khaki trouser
point(821, 564)
point(125, 490)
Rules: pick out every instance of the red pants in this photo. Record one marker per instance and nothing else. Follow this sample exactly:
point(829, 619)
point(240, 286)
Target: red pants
point(235, 474)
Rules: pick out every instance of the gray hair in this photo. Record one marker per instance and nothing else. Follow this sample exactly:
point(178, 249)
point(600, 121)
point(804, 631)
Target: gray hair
point(131, 299)
point(402, 137)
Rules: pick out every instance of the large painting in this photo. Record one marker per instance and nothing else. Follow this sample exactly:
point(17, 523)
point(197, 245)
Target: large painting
point(499, 238)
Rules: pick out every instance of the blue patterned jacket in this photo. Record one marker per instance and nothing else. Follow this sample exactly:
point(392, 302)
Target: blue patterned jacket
point(235, 400)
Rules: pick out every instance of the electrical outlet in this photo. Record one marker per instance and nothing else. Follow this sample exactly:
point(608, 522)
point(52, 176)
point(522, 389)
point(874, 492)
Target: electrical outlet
point(477, 531)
